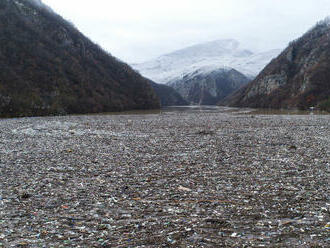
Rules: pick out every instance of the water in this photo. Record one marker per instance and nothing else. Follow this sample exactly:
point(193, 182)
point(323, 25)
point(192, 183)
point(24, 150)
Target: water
point(171, 109)
point(196, 108)
point(287, 112)
point(250, 111)
point(211, 109)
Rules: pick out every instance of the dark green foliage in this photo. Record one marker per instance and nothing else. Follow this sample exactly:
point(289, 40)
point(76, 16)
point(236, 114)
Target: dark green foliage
point(48, 67)
point(325, 105)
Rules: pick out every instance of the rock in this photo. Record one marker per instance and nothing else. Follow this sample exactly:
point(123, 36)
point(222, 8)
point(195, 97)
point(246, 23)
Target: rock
point(208, 88)
point(167, 95)
point(298, 78)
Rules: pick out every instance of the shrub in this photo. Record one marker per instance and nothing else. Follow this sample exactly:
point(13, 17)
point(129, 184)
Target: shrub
point(325, 105)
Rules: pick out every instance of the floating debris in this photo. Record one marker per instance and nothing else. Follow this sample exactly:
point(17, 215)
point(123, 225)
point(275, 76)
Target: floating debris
point(181, 188)
point(175, 179)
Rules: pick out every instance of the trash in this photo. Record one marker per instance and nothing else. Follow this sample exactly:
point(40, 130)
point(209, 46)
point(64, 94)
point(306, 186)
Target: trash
point(205, 132)
point(217, 223)
point(184, 188)
point(171, 241)
point(292, 147)
point(286, 222)
point(176, 179)
point(25, 196)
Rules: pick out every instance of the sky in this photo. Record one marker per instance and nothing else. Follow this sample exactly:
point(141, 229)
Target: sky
point(139, 30)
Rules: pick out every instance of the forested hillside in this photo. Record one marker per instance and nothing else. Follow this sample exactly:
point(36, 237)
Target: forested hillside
point(49, 67)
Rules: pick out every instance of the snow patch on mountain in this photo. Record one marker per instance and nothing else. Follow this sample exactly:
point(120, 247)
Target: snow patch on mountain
point(206, 57)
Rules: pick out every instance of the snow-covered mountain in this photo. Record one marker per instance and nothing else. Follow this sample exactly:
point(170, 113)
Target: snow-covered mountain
point(206, 57)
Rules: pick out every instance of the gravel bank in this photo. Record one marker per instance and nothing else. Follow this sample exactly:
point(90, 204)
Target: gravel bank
point(174, 179)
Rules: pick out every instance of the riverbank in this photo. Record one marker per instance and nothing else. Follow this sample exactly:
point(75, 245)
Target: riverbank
point(201, 178)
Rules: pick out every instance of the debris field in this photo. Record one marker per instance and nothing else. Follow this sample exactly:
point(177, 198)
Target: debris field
point(194, 178)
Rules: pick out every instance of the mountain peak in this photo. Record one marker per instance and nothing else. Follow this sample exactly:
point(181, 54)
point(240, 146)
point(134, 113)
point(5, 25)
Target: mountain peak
point(210, 55)
point(209, 49)
point(229, 44)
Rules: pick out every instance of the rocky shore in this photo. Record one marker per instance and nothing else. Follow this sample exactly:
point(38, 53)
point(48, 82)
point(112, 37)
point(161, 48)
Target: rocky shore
point(198, 178)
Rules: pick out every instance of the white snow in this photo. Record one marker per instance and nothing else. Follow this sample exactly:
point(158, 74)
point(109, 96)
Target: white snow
point(204, 58)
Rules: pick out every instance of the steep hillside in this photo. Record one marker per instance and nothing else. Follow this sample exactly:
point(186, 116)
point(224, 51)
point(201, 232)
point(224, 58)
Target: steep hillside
point(49, 67)
point(167, 95)
point(298, 78)
point(209, 87)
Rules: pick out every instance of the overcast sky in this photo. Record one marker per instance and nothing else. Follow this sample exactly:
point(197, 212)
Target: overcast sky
point(138, 30)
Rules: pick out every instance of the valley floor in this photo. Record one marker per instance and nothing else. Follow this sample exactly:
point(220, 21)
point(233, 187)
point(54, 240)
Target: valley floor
point(199, 178)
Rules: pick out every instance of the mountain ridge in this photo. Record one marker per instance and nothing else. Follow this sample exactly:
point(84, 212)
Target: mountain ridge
point(210, 56)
